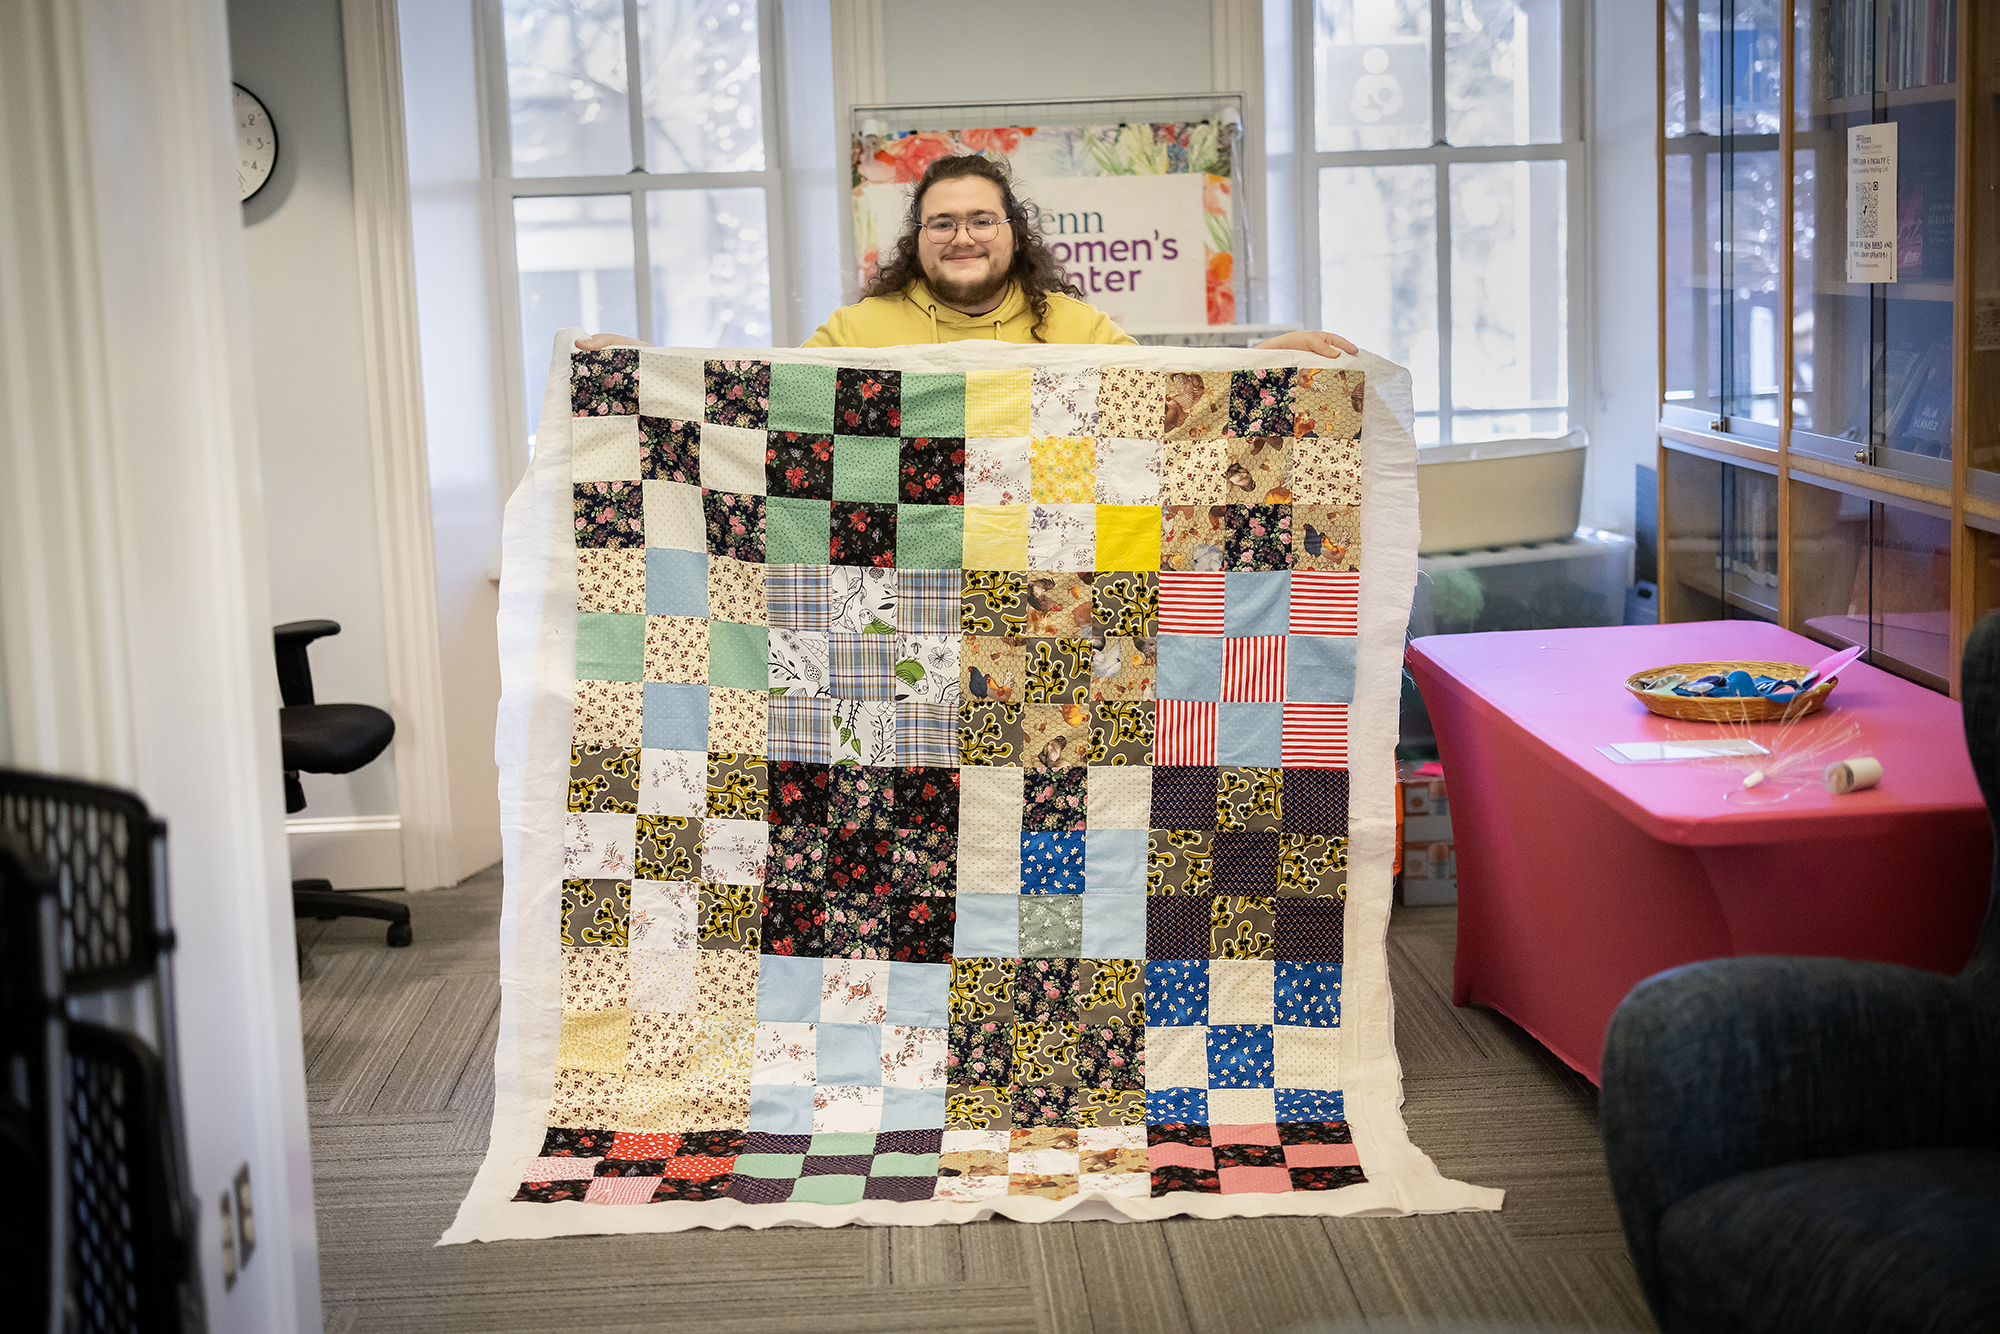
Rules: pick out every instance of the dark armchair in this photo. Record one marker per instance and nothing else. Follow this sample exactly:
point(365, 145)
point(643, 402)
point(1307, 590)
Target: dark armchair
point(1814, 1144)
point(327, 739)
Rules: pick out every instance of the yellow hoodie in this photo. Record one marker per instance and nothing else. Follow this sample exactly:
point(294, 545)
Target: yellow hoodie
point(918, 317)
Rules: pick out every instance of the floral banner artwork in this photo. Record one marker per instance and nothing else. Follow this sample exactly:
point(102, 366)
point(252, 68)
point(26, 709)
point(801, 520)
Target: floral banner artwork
point(1140, 214)
point(951, 781)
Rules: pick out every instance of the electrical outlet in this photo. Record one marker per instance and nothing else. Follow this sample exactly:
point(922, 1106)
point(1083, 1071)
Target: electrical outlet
point(228, 1245)
point(246, 1217)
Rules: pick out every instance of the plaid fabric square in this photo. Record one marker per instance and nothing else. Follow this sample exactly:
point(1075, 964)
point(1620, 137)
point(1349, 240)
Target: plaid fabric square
point(1253, 669)
point(927, 601)
point(1315, 736)
point(926, 734)
point(799, 728)
point(799, 597)
point(1184, 731)
point(1326, 602)
point(864, 666)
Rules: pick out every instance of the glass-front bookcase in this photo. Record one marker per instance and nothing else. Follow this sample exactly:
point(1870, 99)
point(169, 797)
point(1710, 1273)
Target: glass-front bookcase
point(1830, 320)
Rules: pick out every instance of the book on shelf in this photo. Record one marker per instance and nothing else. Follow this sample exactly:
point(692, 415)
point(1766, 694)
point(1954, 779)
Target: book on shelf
point(1925, 425)
point(1916, 47)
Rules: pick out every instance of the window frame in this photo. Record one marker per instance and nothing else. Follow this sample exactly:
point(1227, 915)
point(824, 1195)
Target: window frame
point(500, 188)
point(1308, 161)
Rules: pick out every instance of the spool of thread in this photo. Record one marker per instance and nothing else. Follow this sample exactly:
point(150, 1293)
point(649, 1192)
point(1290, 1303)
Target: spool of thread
point(1853, 775)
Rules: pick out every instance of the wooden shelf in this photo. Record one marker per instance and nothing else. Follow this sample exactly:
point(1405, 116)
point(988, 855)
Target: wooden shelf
point(1895, 97)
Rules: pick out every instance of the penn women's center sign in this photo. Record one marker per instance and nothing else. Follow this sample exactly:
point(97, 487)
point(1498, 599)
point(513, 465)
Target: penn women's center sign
point(1139, 214)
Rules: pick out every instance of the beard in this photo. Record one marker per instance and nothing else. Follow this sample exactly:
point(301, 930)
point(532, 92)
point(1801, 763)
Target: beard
point(960, 293)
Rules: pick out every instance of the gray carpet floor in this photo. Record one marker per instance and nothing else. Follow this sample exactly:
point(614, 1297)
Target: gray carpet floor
point(399, 1077)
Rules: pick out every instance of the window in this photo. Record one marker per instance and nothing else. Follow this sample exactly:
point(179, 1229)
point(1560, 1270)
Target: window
point(636, 171)
point(1437, 182)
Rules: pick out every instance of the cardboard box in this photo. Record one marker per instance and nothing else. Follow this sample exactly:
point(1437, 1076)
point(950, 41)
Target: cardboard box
point(1428, 856)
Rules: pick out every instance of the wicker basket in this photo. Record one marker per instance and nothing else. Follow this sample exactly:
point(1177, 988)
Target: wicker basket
point(1706, 709)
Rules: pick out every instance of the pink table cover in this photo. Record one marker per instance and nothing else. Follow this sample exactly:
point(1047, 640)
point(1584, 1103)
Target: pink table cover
point(1579, 877)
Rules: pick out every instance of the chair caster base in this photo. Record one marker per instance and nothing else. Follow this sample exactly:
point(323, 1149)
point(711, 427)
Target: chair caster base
point(399, 934)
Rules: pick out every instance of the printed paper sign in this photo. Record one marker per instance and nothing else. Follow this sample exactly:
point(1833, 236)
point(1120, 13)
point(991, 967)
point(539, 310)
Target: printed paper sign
point(1871, 203)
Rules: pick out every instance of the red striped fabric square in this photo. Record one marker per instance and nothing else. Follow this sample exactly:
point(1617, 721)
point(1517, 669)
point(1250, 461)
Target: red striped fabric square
point(1253, 669)
point(1315, 736)
point(1190, 604)
point(1184, 732)
point(1326, 602)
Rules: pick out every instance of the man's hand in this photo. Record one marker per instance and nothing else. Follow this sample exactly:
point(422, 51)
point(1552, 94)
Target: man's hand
point(598, 342)
point(1315, 341)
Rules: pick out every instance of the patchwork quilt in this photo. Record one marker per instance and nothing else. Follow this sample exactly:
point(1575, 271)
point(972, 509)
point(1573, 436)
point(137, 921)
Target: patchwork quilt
point(951, 781)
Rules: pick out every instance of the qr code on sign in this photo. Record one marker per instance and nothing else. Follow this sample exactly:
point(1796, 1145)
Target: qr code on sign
point(1867, 209)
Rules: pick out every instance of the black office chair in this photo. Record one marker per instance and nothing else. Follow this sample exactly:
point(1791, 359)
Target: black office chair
point(1814, 1144)
point(327, 739)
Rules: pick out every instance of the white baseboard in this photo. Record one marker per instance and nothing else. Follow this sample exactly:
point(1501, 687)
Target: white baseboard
point(354, 852)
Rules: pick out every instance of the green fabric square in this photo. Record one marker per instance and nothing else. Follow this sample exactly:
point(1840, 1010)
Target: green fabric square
point(930, 537)
point(864, 467)
point(610, 646)
point(801, 398)
point(904, 1165)
point(830, 1190)
point(933, 405)
point(1052, 926)
point(770, 1166)
point(797, 532)
point(841, 1144)
point(738, 655)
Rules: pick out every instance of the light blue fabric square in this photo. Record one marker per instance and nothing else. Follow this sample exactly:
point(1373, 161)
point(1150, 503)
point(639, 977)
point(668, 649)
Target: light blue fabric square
point(1114, 861)
point(781, 1109)
point(1250, 734)
point(913, 1109)
point(676, 717)
point(676, 582)
point(920, 994)
point(989, 927)
point(788, 989)
point(1256, 602)
point(1114, 926)
point(850, 1054)
point(1190, 667)
point(1319, 669)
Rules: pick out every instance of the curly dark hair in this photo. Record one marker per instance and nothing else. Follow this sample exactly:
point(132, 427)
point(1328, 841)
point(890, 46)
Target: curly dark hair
point(1034, 268)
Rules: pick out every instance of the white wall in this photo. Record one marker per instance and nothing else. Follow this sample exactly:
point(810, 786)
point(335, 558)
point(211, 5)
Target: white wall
point(1010, 50)
point(312, 404)
point(1619, 403)
point(458, 322)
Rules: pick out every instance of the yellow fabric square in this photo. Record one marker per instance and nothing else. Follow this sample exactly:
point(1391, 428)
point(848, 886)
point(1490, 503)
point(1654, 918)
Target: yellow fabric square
point(996, 403)
point(595, 1040)
point(996, 537)
point(1065, 469)
point(1128, 537)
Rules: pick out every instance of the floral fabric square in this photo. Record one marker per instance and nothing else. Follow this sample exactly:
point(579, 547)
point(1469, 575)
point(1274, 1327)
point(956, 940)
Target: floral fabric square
point(1062, 402)
point(736, 592)
point(931, 471)
point(738, 393)
point(670, 450)
point(1132, 403)
point(799, 465)
point(604, 778)
point(1260, 402)
point(610, 514)
point(1055, 800)
point(867, 402)
point(735, 525)
point(863, 533)
point(611, 579)
point(1121, 731)
point(1064, 468)
point(605, 382)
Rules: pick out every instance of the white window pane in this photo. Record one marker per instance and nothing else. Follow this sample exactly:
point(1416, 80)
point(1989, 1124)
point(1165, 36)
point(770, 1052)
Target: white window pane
point(711, 257)
point(574, 254)
point(702, 85)
point(1509, 291)
point(1372, 74)
point(566, 88)
point(1378, 270)
point(1503, 71)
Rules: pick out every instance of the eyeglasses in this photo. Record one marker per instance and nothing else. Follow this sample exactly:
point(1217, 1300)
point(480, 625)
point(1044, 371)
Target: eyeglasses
point(980, 227)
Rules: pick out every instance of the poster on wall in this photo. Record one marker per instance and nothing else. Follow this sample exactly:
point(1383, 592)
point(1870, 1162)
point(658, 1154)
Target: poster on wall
point(1140, 215)
point(1871, 203)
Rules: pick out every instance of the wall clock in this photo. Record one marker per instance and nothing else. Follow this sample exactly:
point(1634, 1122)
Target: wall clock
point(256, 143)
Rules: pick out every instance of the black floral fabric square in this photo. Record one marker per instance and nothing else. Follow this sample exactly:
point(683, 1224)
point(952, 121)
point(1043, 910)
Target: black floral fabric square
point(1259, 537)
point(1055, 800)
point(924, 861)
point(931, 471)
point(867, 402)
point(982, 1053)
point(794, 924)
point(857, 860)
point(858, 925)
point(610, 514)
point(921, 928)
point(799, 465)
point(927, 798)
point(604, 383)
point(738, 393)
point(799, 792)
point(1260, 401)
point(735, 525)
point(861, 797)
point(796, 859)
point(562, 1142)
point(1038, 1105)
point(863, 533)
point(671, 450)
point(1044, 990)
